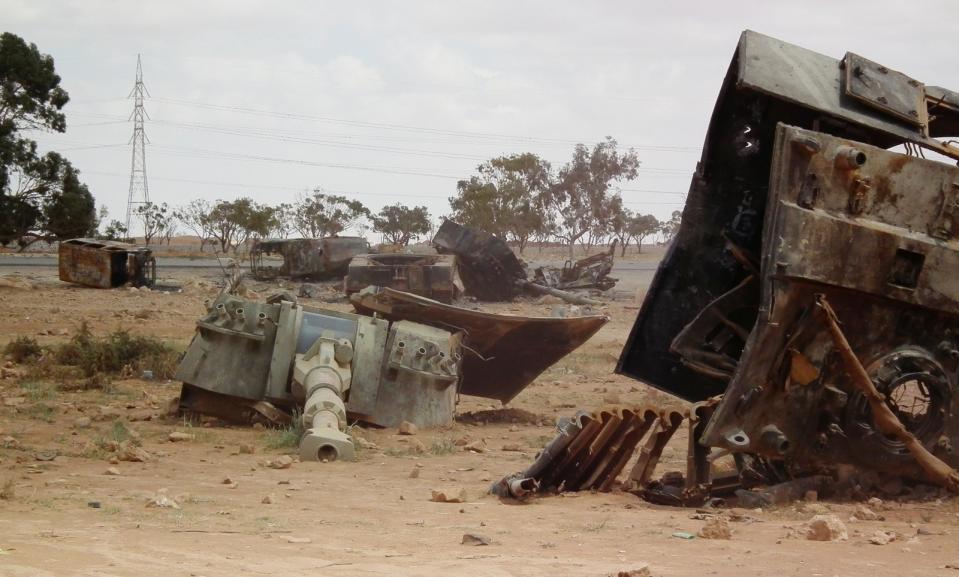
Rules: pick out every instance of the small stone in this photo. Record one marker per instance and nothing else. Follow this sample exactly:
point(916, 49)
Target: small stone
point(716, 528)
point(825, 528)
point(407, 428)
point(298, 540)
point(178, 437)
point(268, 500)
point(113, 460)
point(112, 471)
point(162, 501)
point(82, 423)
point(882, 537)
point(227, 481)
point(863, 513)
point(93, 504)
point(448, 496)
point(512, 447)
point(476, 446)
point(415, 473)
point(247, 449)
point(366, 444)
point(475, 539)
point(281, 462)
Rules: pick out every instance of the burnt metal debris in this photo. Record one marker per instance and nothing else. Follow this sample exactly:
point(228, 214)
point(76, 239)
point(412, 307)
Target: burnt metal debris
point(105, 263)
point(433, 276)
point(253, 360)
point(800, 227)
point(585, 273)
point(489, 269)
point(305, 258)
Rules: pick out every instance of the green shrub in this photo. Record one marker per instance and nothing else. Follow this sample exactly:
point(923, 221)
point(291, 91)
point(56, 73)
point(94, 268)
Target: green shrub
point(117, 352)
point(23, 349)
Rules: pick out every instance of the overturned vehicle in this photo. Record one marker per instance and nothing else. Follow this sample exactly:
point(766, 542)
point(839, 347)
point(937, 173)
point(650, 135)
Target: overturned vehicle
point(105, 263)
point(401, 358)
point(433, 276)
point(808, 307)
point(305, 258)
point(814, 283)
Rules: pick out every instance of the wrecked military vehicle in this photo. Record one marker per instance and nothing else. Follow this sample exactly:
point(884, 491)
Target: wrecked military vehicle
point(809, 304)
point(403, 358)
point(305, 258)
point(433, 276)
point(591, 272)
point(105, 263)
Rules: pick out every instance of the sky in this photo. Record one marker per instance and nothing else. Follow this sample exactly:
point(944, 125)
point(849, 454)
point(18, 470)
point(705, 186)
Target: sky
point(392, 102)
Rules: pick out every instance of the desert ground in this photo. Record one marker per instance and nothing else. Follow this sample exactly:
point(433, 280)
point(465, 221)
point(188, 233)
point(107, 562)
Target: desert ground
point(223, 502)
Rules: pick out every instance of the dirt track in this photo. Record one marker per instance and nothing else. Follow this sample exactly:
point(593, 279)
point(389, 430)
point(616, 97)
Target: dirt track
point(368, 517)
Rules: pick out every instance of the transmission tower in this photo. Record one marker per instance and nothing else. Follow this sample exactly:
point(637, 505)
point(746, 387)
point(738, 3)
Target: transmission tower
point(138, 163)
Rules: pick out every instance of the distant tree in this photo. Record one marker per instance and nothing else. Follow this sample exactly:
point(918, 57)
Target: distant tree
point(41, 196)
point(319, 215)
point(509, 198)
point(641, 226)
point(619, 227)
point(581, 194)
point(195, 217)
point(670, 227)
point(399, 224)
point(116, 230)
point(156, 219)
point(282, 221)
point(233, 223)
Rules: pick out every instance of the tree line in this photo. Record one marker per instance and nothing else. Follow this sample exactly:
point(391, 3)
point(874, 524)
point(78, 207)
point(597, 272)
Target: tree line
point(519, 198)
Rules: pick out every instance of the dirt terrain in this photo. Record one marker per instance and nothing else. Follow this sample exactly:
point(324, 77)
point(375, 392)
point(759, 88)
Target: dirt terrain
point(224, 502)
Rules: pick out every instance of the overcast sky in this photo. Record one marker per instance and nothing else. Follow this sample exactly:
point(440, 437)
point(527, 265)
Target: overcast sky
point(395, 101)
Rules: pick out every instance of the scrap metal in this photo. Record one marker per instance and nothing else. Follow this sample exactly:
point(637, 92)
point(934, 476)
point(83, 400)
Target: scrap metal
point(585, 273)
point(797, 202)
point(305, 258)
point(105, 263)
point(433, 276)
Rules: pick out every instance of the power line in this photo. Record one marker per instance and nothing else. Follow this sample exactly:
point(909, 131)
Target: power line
point(138, 161)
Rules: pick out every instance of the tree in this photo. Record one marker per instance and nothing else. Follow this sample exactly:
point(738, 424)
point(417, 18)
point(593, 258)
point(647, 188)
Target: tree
point(156, 220)
point(233, 223)
point(399, 224)
point(670, 227)
point(41, 196)
point(509, 198)
point(582, 190)
point(116, 230)
point(195, 216)
point(641, 226)
point(319, 215)
point(619, 227)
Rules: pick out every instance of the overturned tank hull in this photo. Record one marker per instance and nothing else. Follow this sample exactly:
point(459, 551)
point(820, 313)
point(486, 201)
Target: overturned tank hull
point(305, 258)
point(433, 276)
point(813, 264)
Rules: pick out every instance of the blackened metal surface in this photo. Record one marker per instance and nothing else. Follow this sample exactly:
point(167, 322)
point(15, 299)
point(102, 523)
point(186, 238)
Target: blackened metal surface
point(430, 275)
point(590, 272)
point(768, 82)
point(105, 264)
point(508, 352)
point(487, 265)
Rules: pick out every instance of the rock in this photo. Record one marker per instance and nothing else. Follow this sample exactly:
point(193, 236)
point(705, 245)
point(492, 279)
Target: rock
point(825, 528)
point(366, 444)
point(417, 446)
point(112, 471)
point(475, 539)
point(415, 473)
point(162, 501)
point(881, 537)
point(875, 503)
point(268, 500)
point(82, 423)
point(476, 446)
point(462, 441)
point(133, 454)
point(247, 449)
point(94, 504)
point(863, 513)
point(113, 460)
point(407, 428)
point(513, 429)
point(298, 540)
point(814, 508)
point(448, 496)
point(716, 528)
point(512, 447)
point(178, 437)
point(281, 462)
point(45, 455)
point(641, 572)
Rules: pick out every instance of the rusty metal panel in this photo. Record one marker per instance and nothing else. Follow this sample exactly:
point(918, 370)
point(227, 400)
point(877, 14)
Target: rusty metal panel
point(885, 89)
point(505, 353)
point(105, 264)
point(305, 258)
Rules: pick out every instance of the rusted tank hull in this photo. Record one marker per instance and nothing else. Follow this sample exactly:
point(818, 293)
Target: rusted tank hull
point(305, 258)
point(430, 276)
point(797, 200)
point(488, 267)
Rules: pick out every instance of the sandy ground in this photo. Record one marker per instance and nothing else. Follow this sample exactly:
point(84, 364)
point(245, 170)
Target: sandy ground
point(78, 514)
